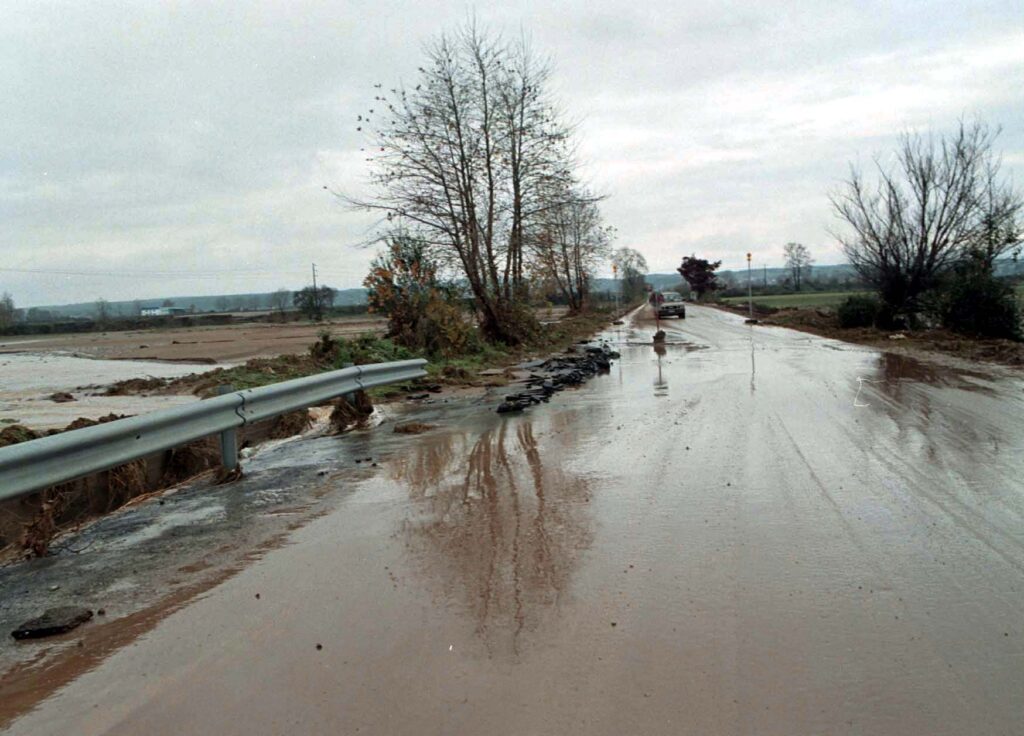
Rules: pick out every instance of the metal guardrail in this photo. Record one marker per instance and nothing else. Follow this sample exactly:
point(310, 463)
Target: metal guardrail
point(37, 464)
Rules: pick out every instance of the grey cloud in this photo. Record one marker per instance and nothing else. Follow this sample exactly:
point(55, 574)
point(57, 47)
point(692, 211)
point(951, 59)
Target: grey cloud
point(174, 137)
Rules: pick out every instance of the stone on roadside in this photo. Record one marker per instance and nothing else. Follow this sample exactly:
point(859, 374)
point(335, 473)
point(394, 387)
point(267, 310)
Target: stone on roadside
point(53, 621)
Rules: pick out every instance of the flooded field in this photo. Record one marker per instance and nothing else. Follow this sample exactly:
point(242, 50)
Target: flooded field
point(28, 382)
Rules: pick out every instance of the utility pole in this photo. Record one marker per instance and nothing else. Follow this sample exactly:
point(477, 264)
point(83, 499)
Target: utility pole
point(750, 290)
point(615, 278)
point(316, 296)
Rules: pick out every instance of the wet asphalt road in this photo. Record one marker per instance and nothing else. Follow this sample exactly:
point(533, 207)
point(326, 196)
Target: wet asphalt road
point(757, 532)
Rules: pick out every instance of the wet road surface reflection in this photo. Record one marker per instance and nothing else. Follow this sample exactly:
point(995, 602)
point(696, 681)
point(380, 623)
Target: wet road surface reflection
point(498, 535)
point(801, 536)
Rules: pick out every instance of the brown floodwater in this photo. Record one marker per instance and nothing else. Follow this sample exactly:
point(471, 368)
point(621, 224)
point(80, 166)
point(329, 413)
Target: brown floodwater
point(751, 531)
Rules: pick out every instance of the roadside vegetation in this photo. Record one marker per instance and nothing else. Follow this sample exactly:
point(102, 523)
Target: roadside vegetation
point(804, 299)
point(926, 232)
point(924, 235)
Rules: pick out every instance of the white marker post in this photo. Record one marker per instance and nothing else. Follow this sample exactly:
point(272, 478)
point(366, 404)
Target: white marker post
point(750, 291)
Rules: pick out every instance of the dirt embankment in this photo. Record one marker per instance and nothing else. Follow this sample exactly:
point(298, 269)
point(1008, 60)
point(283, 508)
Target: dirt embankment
point(29, 524)
point(824, 322)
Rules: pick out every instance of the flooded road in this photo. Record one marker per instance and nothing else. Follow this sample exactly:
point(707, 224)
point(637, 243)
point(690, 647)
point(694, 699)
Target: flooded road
point(752, 531)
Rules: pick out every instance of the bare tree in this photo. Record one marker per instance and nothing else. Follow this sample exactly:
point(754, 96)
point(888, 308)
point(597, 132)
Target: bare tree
point(632, 269)
point(280, 300)
point(102, 309)
point(7, 311)
point(314, 301)
point(467, 159)
point(798, 261)
point(942, 200)
point(568, 243)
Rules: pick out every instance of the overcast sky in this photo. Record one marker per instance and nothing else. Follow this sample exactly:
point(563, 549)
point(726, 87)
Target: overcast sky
point(153, 149)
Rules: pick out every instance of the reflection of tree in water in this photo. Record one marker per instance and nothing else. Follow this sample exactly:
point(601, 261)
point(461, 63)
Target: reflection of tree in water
point(500, 532)
point(906, 385)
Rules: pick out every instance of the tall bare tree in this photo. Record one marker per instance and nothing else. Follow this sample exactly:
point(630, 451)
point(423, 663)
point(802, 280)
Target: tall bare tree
point(280, 300)
point(798, 261)
point(941, 200)
point(567, 244)
point(467, 158)
point(7, 311)
point(632, 269)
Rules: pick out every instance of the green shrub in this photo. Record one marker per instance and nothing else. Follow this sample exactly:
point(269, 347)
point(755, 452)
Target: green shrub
point(974, 302)
point(360, 350)
point(858, 311)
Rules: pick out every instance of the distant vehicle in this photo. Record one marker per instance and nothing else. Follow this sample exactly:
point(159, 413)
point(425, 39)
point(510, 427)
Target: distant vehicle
point(671, 304)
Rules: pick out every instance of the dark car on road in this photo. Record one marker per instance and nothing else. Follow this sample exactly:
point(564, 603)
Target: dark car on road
point(670, 304)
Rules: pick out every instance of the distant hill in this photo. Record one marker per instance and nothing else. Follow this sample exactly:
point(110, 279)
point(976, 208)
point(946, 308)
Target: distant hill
point(216, 303)
point(772, 275)
point(346, 297)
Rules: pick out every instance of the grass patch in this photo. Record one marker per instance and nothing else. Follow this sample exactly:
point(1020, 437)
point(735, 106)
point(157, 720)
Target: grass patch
point(806, 299)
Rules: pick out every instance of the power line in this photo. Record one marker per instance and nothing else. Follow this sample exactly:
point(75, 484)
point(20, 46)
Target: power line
point(165, 274)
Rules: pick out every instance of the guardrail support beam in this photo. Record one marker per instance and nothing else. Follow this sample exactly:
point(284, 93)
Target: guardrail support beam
point(228, 438)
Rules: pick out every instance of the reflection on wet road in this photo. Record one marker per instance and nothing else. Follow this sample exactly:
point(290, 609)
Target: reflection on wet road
point(498, 535)
point(752, 531)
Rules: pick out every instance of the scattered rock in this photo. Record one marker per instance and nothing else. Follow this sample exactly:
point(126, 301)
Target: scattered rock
point(53, 621)
point(62, 397)
point(413, 428)
point(417, 397)
point(555, 374)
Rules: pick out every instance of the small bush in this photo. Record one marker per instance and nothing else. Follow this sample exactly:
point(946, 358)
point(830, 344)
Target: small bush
point(858, 311)
point(362, 350)
point(974, 302)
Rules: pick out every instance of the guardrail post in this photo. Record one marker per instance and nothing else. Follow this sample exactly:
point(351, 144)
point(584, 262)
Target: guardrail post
point(228, 438)
point(349, 397)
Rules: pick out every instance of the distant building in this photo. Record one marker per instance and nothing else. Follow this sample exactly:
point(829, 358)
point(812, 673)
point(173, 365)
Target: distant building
point(162, 311)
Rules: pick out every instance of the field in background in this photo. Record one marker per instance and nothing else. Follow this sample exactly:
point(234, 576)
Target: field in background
point(807, 299)
point(221, 343)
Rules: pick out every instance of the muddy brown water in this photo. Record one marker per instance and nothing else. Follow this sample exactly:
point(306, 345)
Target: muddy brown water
point(755, 531)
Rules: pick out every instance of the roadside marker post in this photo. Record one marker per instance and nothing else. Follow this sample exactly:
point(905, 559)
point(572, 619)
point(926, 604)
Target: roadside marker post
point(228, 438)
point(750, 291)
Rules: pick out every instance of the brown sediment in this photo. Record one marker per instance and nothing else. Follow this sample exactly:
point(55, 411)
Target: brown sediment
point(823, 322)
point(348, 414)
point(753, 536)
point(413, 428)
point(27, 683)
point(62, 659)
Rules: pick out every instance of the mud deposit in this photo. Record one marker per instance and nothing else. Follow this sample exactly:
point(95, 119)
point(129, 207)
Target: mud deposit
point(747, 530)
